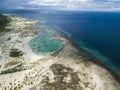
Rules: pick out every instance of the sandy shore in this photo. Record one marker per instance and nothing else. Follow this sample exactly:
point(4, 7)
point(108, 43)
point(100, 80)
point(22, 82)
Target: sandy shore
point(67, 69)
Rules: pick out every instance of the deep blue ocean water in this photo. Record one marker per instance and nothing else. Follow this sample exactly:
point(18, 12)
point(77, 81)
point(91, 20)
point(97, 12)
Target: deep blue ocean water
point(97, 32)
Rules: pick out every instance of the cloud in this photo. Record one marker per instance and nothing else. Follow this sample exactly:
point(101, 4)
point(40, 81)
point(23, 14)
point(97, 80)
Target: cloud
point(83, 5)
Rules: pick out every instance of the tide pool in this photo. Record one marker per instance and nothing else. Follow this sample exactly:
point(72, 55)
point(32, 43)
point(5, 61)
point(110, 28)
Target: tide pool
point(44, 43)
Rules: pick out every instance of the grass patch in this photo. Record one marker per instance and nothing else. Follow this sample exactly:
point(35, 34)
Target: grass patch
point(16, 53)
point(61, 73)
point(19, 67)
point(4, 20)
point(11, 63)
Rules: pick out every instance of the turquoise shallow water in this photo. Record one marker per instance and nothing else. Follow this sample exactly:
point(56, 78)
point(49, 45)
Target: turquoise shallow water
point(43, 43)
point(100, 31)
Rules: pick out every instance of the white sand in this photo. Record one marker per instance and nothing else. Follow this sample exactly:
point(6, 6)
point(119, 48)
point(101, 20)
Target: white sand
point(37, 66)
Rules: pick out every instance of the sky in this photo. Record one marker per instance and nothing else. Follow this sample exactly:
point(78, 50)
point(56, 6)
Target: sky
point(81, 5)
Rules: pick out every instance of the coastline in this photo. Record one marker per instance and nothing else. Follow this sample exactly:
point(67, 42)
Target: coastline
point(90, 56)
point(67, 69)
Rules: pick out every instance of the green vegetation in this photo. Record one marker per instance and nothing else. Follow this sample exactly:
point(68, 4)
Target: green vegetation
point(60, 79)
point(59, 69)
point(16, 53)
point(14, 69)
point(4, 20)
point(11, 63)
point(13, 86)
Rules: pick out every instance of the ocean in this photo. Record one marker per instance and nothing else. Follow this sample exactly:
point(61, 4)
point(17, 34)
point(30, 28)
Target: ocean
point(98, 33)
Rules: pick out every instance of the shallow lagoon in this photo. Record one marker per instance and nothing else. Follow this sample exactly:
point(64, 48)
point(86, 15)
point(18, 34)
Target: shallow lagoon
point(44, 43)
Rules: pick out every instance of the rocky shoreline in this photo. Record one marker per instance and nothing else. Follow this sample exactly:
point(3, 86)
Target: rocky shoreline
point(91, 58)
point(68, 69)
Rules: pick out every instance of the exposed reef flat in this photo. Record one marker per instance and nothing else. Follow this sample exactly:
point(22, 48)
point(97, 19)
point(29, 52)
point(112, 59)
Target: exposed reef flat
point(67, 69)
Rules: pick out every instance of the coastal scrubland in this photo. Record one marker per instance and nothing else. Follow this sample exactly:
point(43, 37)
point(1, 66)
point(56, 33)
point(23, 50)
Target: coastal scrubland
point(67, 68)
point(4, 20)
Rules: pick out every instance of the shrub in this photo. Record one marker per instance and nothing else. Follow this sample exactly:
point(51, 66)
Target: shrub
point(4, 20)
